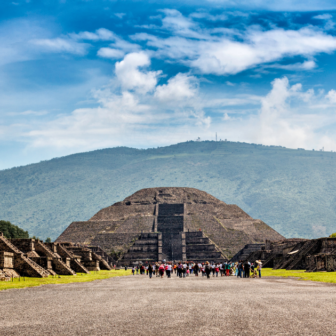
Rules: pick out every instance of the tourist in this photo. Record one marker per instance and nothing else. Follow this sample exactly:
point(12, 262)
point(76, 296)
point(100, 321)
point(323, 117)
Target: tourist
point(133, 270)
point(247, 269)
point(227, 269)
point(217, 270)
point(196, 269)
point(169, 269)
point(203, 270)
point(175, 269)
point(146, 270)
point(184, 270)
point(199, 267)
point(157, 269)
point(213, 269)
point(207, 269)
point(161, 270)
point(191, 267)
point(240, 269)
point(221, 269)
point(180, 269)
point(137, 269)
point(259, 267)
point(125, 268)
point(150, 270)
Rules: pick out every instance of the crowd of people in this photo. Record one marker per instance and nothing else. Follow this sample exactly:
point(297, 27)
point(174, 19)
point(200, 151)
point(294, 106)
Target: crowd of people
point(183, 269)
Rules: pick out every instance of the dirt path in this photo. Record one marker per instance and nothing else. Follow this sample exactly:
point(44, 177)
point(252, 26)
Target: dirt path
point(135, 305)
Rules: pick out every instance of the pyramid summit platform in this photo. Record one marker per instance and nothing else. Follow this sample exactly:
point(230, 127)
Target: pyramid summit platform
point(172, 224)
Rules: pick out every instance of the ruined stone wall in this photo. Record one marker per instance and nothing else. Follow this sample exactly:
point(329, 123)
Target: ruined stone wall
point(6, 260)
point(24, 245)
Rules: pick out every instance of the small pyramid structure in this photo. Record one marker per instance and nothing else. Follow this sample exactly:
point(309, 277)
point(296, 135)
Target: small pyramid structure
point(170, 223)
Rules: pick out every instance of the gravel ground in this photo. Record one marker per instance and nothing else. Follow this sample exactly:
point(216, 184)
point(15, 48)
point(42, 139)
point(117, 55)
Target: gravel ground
point(136, 305)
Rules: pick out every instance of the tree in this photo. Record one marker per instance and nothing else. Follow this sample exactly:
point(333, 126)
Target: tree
point(12, 231)
point(333, 235)
point(48, 240)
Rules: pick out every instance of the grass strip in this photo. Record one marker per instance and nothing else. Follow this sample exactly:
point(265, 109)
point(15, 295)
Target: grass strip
point(329, 277)
point(24, 282)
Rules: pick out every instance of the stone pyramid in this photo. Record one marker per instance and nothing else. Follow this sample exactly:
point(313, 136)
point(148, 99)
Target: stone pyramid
point(170, 223)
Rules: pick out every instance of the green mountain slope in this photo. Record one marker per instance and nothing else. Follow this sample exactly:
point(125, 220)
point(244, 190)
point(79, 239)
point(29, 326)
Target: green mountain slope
point(294, 191)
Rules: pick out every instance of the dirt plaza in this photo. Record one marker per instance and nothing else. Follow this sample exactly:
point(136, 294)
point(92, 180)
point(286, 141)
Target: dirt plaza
point(137, 305)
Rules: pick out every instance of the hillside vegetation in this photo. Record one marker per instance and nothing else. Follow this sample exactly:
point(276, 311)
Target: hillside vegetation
point(293, 191)
point(12, 231)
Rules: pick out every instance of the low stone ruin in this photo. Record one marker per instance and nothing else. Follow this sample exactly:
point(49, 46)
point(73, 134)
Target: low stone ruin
point(33, 258)
point(312, 255)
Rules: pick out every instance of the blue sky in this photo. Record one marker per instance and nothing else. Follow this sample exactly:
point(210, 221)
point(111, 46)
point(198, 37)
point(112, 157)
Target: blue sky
point(82, 75)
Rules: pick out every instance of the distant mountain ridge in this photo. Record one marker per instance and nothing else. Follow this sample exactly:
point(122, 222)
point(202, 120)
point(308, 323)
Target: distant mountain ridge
point(293, 191)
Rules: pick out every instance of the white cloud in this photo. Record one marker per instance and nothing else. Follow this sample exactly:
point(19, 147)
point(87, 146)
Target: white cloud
point(174, 112)
point(60, 45)
point(306, 65)
point(322, 17)
point(228, 51)
point(279, 122)
point(208, 16)
point(331, 96)
point(131, 77)
point(180, 87)
point(329, 24)
point(100, 34)
point(110, 53)
point(230, 57)
point(120, 15)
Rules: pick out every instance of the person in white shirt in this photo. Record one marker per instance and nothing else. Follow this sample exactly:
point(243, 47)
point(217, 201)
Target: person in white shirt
point(184, 270)
point(168, 270)
point(190, 268)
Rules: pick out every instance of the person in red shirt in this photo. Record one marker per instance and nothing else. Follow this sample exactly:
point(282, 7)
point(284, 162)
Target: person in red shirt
point(161, 270)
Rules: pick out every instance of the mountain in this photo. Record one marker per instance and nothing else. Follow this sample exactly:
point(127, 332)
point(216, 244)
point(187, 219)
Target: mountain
point(293, 191)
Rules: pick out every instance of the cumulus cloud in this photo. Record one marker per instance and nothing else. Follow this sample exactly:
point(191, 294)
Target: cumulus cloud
point(180, 87)
point(280, 122)
point(132, 108)
point(176, 111)
point(131, 77)
point(331, 96)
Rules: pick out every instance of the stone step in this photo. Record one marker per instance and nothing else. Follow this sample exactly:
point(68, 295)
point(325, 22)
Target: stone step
point(203, 255)
point(197, 240)
point(170, 209)
point(149, 248)
point(140, 255)
point(200, 248)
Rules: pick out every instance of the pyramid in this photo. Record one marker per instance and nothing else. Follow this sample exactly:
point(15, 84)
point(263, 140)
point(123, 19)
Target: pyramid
point(172, 224)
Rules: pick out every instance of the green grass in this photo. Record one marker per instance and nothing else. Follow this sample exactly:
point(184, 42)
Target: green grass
point(62, 279)
point(329, 277)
